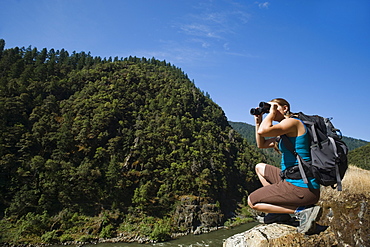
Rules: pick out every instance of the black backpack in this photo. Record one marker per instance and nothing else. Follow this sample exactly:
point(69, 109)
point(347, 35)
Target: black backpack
point(328, 153)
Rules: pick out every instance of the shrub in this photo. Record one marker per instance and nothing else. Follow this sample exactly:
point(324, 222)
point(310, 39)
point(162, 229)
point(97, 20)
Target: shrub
point(85, 238)
point(50, 237)
point(65, 238)
point(107, 232)
point(161, 231)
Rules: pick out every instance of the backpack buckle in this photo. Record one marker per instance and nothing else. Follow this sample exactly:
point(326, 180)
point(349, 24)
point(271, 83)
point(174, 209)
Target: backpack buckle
point(291, 172)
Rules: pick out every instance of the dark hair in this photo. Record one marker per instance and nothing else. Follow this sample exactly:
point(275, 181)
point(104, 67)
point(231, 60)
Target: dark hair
point(283, 102)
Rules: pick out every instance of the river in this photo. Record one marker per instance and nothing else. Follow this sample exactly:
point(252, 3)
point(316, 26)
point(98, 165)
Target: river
point(212, 239)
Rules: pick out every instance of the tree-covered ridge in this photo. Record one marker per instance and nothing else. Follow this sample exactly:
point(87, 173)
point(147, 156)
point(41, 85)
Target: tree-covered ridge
point(354, 143)
point(85, 139)
point(248, 132)
point(360, 157)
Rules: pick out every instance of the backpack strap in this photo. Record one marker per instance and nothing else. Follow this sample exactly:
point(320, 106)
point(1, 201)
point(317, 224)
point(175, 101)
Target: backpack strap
point(339, 180)
point(289, 145)
point(311, 128)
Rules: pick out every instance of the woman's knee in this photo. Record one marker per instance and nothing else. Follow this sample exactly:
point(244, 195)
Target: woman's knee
point(250, 204)
point(260, 168)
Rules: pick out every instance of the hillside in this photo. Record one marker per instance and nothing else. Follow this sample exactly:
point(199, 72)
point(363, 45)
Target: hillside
point(360, 157)
point(95, 148)
point(248, 132)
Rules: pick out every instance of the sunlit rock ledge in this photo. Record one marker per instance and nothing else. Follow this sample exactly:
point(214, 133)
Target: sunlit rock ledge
point(280, 235)
point(345, 220)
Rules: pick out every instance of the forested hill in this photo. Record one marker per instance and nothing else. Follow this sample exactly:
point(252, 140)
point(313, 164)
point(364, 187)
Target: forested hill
point(360, 157)
point(103, 146)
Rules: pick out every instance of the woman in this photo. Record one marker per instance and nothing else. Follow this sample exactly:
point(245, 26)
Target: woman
point(280, 198)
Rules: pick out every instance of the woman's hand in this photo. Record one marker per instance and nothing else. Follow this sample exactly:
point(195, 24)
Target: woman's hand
point(258, 119)
point(273, 107)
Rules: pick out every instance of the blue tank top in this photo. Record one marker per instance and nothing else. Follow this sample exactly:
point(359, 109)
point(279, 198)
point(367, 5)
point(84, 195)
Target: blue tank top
point(302, 147)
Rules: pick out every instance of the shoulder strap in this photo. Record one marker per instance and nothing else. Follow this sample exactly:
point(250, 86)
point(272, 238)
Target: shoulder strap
point(289, 145)
point(337, 174)
point(310, 126)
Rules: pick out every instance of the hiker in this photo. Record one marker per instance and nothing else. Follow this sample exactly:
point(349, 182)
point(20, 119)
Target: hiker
point(283, 198)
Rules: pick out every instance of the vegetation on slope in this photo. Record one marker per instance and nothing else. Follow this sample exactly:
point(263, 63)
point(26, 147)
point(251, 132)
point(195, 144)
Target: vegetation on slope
point(360, 157)
point(93, 147)
point(248, 132)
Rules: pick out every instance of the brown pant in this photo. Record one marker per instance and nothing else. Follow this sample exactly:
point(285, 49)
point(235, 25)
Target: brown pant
point(283, 193)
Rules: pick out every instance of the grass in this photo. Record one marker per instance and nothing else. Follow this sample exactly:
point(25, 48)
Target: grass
point(355, 181)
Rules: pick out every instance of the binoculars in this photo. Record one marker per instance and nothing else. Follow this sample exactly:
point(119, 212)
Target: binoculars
point(263, 108)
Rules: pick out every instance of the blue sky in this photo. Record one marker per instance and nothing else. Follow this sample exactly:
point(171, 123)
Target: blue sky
point(314, 53)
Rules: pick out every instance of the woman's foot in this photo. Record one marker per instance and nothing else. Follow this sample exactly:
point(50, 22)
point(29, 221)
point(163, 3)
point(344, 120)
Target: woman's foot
point(274, 218)
point(307, 219)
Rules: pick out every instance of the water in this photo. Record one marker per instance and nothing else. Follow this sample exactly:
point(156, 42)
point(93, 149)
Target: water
point(212, 239)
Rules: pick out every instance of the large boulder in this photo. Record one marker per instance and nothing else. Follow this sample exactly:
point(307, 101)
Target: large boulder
point(345, 222)
point(280, 235)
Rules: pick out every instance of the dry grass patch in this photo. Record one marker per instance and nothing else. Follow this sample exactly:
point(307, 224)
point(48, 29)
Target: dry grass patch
point(355, 181)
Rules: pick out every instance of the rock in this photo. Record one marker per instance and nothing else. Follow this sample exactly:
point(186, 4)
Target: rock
point(349, 218)
point(279, 235)
point(345, 222)
point(258, 236)
point(187, 216)
point(197, 215)
point(210, 219)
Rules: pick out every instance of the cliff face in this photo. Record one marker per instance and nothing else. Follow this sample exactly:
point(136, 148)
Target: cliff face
point(197, 215)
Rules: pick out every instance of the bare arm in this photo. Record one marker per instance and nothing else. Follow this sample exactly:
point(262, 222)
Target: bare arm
point(265, 128)
point(261, 141)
